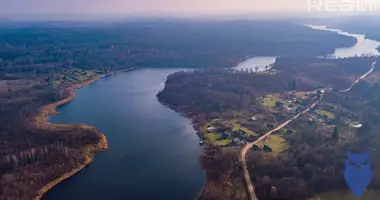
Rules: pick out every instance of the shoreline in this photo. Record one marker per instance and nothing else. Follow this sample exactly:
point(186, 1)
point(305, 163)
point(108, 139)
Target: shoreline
point(89, 151)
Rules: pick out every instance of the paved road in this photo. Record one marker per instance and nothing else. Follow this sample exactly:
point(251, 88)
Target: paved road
point(249, 184)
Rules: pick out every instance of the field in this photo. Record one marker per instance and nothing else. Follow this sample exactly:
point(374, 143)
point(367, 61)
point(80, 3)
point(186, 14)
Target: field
point(270, 100)
point(223, 142)
point(276, 142)
point(213, 138)
point(237, 126)
point(327, 113)
point(346, 195)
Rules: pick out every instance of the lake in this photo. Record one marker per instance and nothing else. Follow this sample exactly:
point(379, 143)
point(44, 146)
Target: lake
point(260, 62)
point(154, 152)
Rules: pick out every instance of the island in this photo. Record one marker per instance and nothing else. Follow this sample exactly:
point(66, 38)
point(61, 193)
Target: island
point(332, 108)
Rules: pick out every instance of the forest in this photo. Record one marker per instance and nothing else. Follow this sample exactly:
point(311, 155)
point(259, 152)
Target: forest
point(315, 160)
point(218, 90)
point(195, 44)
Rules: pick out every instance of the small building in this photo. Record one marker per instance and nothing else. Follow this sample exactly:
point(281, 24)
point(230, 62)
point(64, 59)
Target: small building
point(252, 138)
point(289, 131)
point(227, 133)
point(255, 147)
point(266, 148)
point(210, 129)
point(236, 140)
point(357, 125)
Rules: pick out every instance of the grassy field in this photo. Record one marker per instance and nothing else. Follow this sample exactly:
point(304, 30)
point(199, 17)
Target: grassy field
point(276, 142)
point(270, 100)
point(236, 126)
point(213, 138)
point(327, 113)
point(74, 76)
point(223, 142)
point(347, 195)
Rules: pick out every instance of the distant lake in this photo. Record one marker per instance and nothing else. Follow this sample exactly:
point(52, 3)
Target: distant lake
point(252, 63)
point(154, 152)
point(363, 46)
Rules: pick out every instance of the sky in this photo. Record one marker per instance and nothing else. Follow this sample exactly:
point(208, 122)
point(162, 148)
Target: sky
point(157, 7)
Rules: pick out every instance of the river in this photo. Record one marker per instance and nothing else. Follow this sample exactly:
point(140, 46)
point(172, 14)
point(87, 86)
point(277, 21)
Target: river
point(154, 152)
point(363, 47)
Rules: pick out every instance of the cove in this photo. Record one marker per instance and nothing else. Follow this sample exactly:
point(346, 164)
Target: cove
point(153, 151)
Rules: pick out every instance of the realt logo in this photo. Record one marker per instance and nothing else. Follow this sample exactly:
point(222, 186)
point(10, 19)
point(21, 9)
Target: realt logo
point(343, 5)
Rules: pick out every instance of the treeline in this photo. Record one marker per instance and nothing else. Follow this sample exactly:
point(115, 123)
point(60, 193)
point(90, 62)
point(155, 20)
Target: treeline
point(224, 174)
point(336, 73)
point(193, 44)
point(31, 157)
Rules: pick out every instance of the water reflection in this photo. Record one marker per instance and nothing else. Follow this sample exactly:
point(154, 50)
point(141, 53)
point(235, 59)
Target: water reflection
point(256, 63)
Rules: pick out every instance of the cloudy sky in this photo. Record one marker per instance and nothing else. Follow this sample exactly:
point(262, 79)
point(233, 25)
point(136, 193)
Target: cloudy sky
point(156, 7)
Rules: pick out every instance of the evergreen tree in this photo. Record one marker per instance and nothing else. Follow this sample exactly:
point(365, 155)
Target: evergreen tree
point(335, 134)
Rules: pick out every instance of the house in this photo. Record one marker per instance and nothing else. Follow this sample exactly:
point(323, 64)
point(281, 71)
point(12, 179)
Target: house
point(238, 134)
point(210, 129)
point(357, 125)
point(252, 138)
point(236, 140)
point(227, 133)
point(266, 148)
point(242, 132)
point(255, 147)
point(312, 110)
point(291, 109)
point(235, 134)
point(289, 131)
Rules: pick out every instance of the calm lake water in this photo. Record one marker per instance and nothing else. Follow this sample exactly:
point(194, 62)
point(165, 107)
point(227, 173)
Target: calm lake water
point(154, 152)
point(252, 63)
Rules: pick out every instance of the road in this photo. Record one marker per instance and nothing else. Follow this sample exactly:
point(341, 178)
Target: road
point(249, 184)
point(360, 78)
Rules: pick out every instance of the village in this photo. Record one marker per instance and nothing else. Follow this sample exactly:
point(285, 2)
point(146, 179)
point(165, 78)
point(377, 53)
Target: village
point(278, 108)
